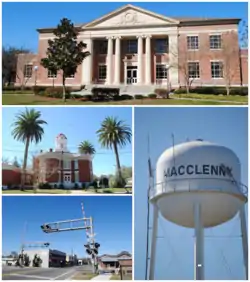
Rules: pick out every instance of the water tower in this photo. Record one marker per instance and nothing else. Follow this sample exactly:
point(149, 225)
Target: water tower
point(198, 186)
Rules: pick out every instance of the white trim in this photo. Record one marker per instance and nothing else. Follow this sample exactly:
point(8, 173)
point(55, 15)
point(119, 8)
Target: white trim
point(207, 31)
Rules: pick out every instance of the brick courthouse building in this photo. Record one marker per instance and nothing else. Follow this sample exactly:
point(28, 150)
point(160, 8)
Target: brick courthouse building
point(58, 166)
point(133, 47)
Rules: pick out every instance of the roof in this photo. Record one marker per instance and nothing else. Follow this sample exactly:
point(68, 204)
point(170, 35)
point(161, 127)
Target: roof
point(176, 20)
point(123, 253)
point(125, 262)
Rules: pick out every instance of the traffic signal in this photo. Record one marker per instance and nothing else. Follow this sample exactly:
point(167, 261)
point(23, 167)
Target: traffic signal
point(46, 244)
point(45, 227)
point(97, 245)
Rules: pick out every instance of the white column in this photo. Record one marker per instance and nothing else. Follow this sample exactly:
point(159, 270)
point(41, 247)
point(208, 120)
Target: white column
point(244, 238)
point(140, 50)
point(87, 65)
point(199, 244)
point(173, 59)
point(125, 72)
point(117, 60)
point(109, 61)
point(148, 59)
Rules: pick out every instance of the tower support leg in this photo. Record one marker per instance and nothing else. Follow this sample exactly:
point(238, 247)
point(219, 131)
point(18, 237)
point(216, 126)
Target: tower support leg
point(153, 242)
point(198, 244)
point(244, 238)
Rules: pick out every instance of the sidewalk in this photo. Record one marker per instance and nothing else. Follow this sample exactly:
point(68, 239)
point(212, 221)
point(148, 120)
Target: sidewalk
point(105, 276)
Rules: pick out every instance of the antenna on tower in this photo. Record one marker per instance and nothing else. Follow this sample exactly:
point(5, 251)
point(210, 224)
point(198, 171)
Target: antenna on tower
point(150, 174)
point(173, 147)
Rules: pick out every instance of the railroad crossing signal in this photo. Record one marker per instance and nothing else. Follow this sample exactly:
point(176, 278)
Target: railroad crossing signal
point(92, 249)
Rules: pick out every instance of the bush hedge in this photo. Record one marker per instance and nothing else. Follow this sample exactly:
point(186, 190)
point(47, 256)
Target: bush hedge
point(162, 92)
point(209, 90)
point(152, 96)
point(139, 96)
point(105, 93)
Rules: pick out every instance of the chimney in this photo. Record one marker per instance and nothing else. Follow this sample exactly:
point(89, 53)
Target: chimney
point(51, 150)
point(41, 151)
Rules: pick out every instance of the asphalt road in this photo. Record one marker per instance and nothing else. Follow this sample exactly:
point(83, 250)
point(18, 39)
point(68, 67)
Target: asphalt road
point(17, 273)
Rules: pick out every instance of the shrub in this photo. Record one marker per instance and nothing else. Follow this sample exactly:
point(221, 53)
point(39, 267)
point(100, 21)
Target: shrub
point(210, 90)
point(107, 191)
point(84, 186)
point(117, 182)
point(86, 97)
point(76, 186)
point(56, 92)
point(38, 90)
point(105, 93)
point(61, 186)
point(139, 96)
point(126, 97)
point(162, 93)
point(55, 186)
point(152, 96)
point(9, 186)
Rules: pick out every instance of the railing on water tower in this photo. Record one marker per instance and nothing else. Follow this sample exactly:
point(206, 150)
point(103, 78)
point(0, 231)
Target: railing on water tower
point(164, 187)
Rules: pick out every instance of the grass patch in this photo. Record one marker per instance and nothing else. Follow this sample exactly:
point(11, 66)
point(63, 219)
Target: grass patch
point(84, 276)
point(28, 99)
point(118, 277)
point(234, 98)
point(43, 191)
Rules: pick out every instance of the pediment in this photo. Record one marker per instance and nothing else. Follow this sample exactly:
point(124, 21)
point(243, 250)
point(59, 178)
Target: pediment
point(130, 15)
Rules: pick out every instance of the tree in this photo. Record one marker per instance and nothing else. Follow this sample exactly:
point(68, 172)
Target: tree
point(9, 63)
point(184, 60)
point(86, 147)
point(65, 53)
point(230, 58)
point(14, 254)
point(16, 163)
point(114, 133)
point(244, 35)
point(126, 172)
point(28, 128)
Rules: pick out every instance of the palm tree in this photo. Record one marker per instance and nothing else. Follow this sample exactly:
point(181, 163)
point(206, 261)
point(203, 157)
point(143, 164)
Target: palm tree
point(114, 133)
point(86, 147)
point(28, 128)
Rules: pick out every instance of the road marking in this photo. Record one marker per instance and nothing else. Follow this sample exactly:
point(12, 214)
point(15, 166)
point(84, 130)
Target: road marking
point(63, 274)
point(32, 276)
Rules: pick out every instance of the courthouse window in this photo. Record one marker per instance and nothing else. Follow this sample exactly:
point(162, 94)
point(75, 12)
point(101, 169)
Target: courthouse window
point(102, 72)
point(71, 76)
point(161, 72)
point(193, 42)
point(132, 46)
point(194, 70)
point(103, 47)
point(28, 71)
point(217, 69)
point(161, 46)
point(52, 74)
point(215, 41)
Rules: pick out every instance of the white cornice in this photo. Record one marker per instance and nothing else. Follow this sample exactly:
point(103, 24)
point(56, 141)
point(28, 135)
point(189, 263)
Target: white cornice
point(64, 156)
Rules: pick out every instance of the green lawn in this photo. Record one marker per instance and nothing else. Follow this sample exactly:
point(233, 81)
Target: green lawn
point(29, 99)
point(58, 191)
point(43, 191)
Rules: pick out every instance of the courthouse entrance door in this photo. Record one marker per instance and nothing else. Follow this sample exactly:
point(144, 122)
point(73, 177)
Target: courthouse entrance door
point(131, 74)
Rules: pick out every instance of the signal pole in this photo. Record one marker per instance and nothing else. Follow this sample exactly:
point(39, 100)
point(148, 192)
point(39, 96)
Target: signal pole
point(84, 223)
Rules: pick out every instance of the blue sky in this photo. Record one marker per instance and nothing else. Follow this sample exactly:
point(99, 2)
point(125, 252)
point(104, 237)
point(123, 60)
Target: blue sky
point(175, 254)
point(19, 29)
point(78, 124)
point(112, 216)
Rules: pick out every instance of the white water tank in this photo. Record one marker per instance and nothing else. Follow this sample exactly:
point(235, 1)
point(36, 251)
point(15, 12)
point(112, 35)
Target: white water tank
point(198, 172)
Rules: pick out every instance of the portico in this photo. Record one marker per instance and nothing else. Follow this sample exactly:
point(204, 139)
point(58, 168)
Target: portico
point(129, 60)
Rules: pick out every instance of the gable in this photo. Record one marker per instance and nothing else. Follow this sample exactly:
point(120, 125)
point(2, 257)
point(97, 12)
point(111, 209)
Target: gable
point(130, 16)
